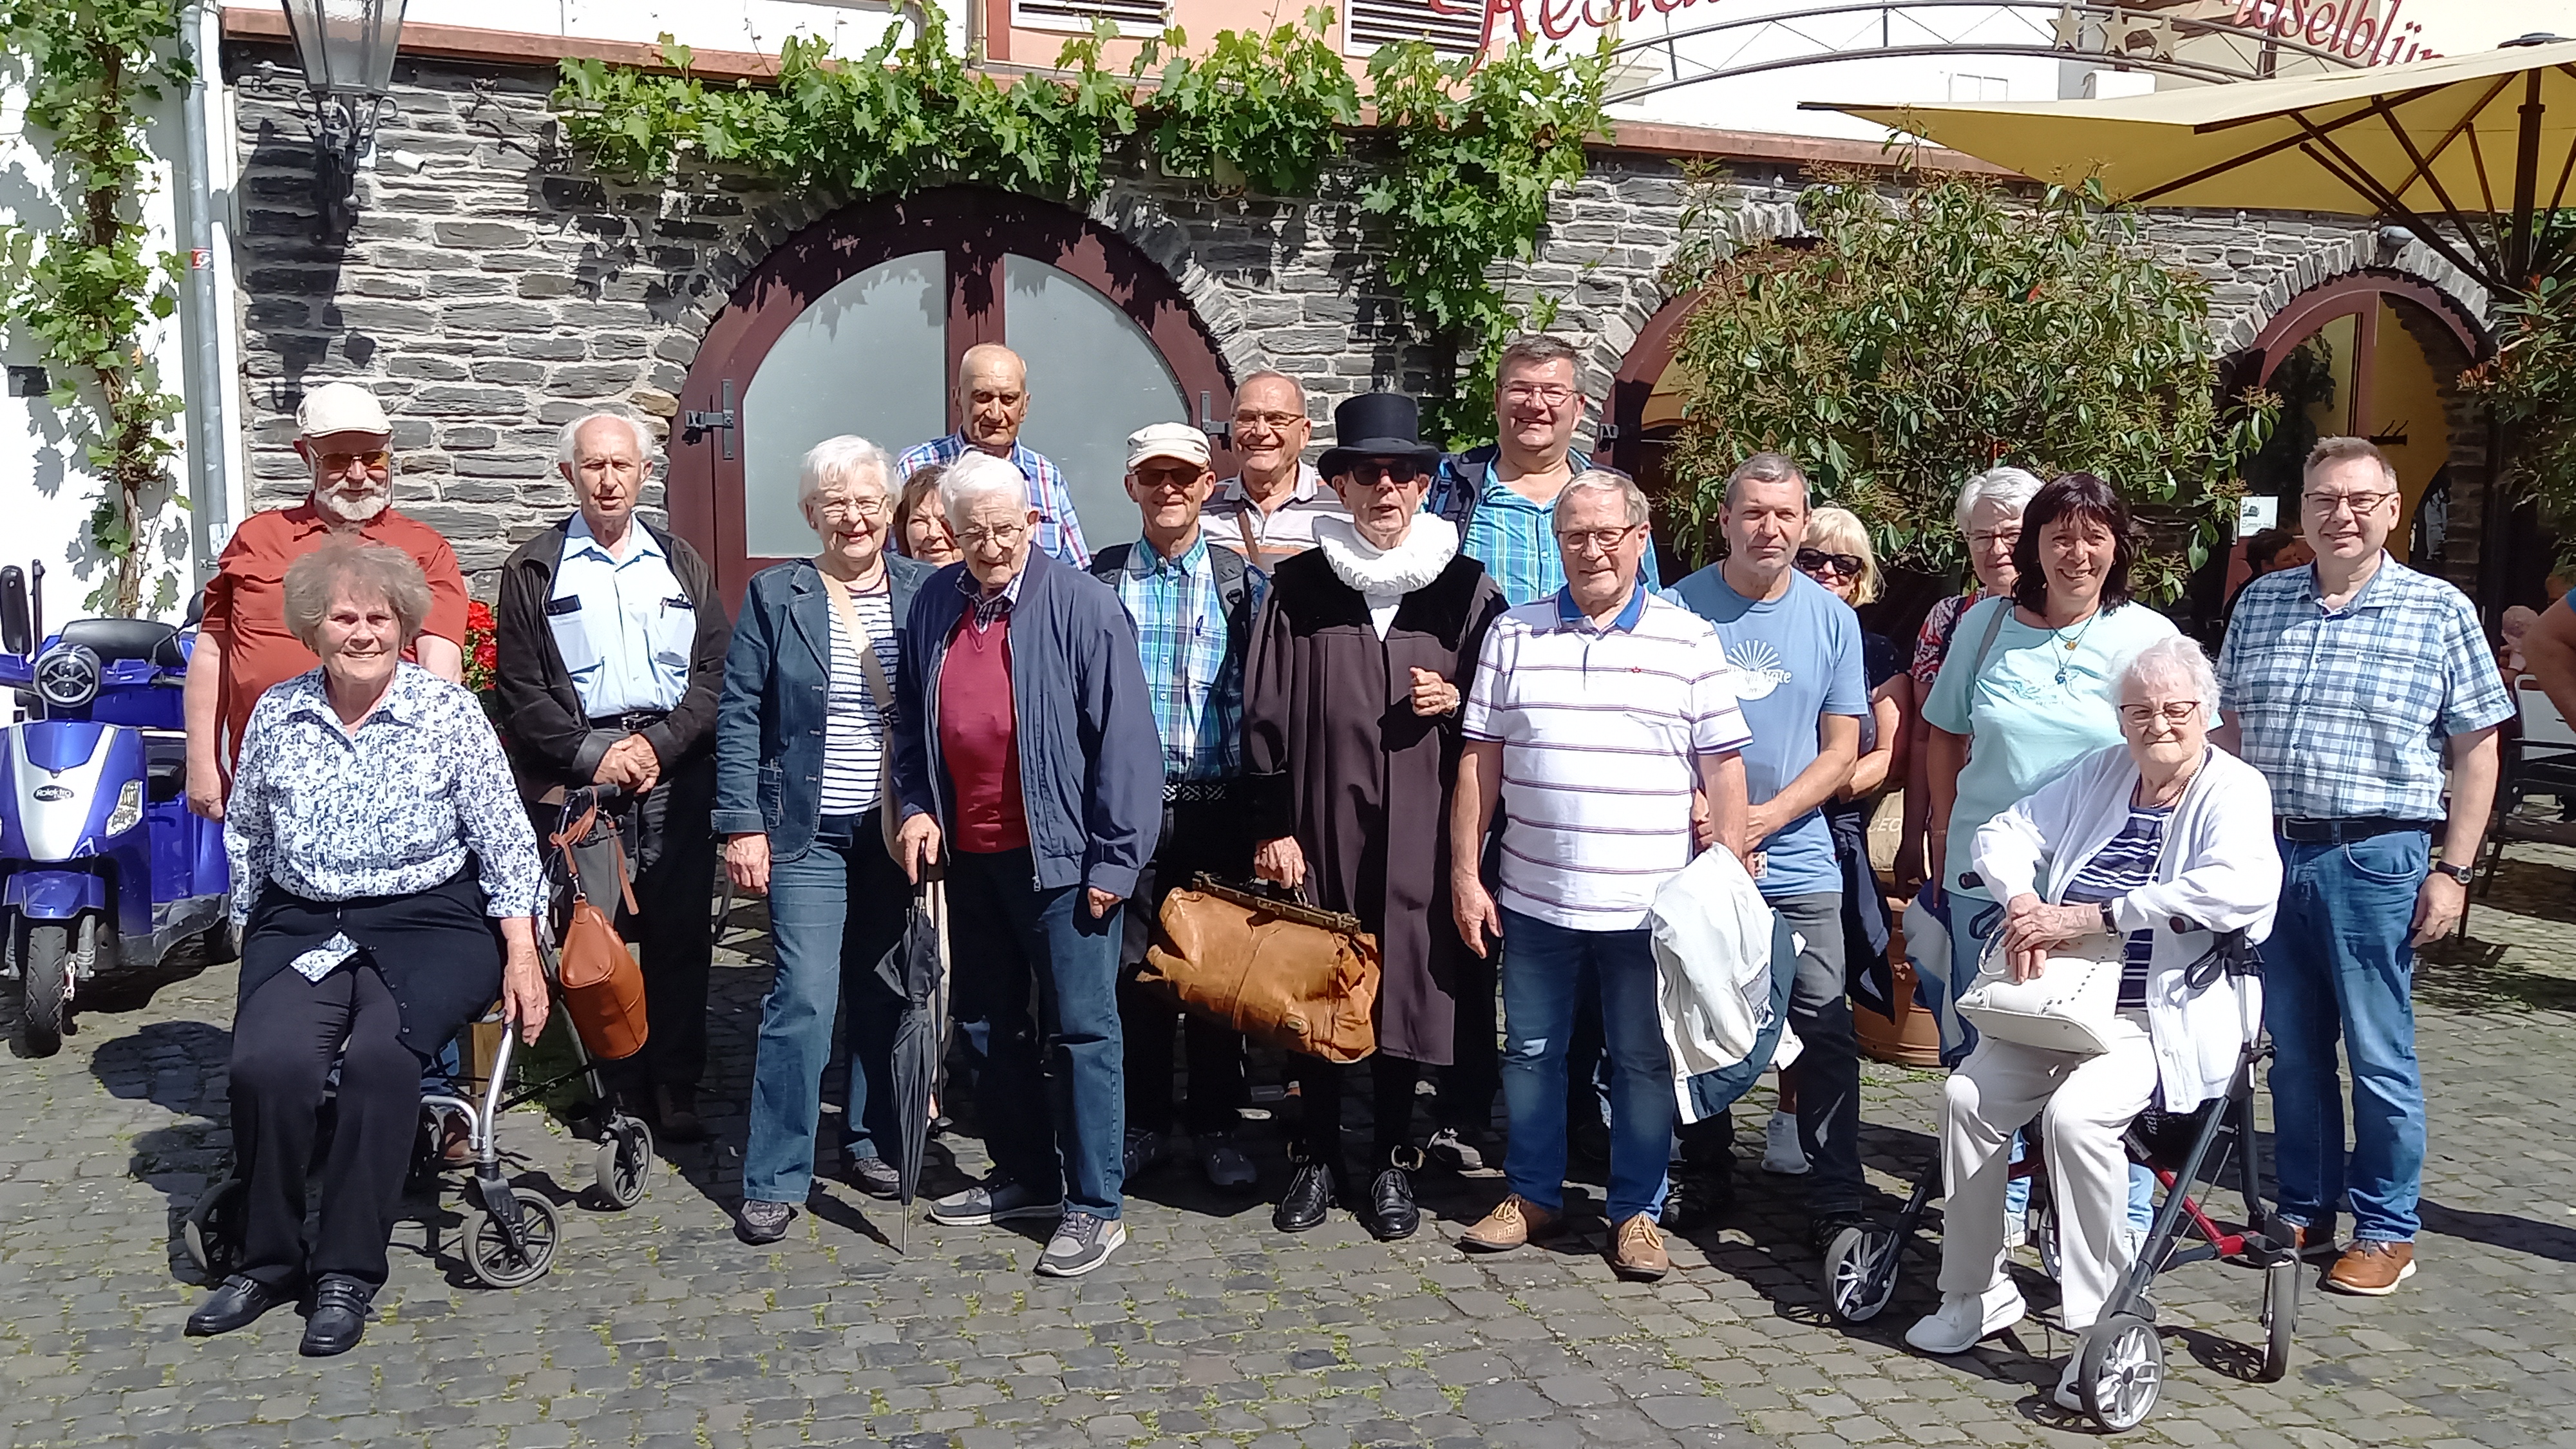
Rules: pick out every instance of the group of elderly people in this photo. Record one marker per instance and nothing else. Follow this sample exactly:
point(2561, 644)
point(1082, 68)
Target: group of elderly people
point(1442, 693)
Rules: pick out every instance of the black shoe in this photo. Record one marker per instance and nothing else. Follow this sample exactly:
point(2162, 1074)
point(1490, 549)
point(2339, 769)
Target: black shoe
point(1697, 1201)
point(1310, 1196)
point(872, 1175)
point(1391, 1213)
point(1825, 1227)
point(339, 1316)
point(238, 1301)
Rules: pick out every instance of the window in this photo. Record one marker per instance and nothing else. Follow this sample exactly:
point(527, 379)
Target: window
point(1458, 31)
point(1965, 87)
point(1131, 16)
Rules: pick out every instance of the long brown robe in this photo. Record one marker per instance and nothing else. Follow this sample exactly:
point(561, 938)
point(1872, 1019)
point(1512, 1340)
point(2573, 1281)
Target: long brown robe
point(1339, 759)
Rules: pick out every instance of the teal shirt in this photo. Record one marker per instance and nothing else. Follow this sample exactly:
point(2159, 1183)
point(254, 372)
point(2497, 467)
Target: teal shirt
point(2025, 727)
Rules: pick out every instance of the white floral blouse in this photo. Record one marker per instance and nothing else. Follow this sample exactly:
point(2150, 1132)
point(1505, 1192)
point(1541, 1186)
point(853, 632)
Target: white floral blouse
point(391, 808)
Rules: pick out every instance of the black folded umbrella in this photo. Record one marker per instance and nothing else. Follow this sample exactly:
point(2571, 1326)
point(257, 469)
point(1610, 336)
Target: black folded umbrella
point(917, 970)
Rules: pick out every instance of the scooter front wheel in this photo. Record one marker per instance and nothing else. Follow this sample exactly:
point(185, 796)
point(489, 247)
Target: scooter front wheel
point(47, 1008)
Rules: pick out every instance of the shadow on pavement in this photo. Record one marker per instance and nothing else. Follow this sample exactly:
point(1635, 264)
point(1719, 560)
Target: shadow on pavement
point(2501, 1230)
point(2471, 975)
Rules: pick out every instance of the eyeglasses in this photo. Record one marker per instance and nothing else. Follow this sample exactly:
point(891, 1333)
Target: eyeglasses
point(1555, 395)
point(375, 460)
point(1275, 422)
point(1006, 536)
point(1369, 472)
point(2005, 536)
point(1576, 540)
point(2327, 505)
point(2139, 716)
point(851, 508)
point(1816, 561)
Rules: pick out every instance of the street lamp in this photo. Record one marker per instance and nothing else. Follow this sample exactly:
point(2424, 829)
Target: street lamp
point(347, 48)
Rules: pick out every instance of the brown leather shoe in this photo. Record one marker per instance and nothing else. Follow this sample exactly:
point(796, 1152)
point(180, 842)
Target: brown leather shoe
point(2372, 1269)
point(1637, 1251)
point(1514, 1221)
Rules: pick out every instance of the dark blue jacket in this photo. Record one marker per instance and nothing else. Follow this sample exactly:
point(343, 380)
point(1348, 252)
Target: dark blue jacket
point(769, 720)
point(1091, 761)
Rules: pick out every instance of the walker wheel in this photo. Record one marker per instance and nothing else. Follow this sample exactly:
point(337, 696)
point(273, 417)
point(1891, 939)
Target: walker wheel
point(2120, 1368)
point(487, 1246)
point(624, 1162)
point(1860, 1271)
point(212, 1232)
point(2280, 1318)
point(2042, 1218)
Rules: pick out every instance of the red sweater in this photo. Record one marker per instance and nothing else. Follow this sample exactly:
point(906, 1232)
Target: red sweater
point(979, 739)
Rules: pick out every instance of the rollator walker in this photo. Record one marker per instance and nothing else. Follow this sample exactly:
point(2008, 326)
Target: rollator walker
point(2120, 1360)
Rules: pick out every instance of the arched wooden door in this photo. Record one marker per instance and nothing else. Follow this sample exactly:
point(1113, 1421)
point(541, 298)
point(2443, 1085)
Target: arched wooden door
point(857, 323)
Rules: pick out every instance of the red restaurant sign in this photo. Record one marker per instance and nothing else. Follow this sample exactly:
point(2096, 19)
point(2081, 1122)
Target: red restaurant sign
point(2340, 26)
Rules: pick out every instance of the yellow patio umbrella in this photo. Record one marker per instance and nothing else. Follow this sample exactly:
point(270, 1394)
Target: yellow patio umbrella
point(2463, 151)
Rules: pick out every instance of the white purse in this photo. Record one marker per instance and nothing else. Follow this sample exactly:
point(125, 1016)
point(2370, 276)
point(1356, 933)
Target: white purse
point(2070, 1006)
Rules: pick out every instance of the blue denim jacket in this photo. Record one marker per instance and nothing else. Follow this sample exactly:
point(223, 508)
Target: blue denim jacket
point(769, 721)
point(1091, 761)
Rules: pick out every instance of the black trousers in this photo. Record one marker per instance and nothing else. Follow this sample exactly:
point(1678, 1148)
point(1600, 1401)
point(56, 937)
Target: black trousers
point(1197, 836)
point(673, 926)
point(285, 1038)
point(1320, 1089)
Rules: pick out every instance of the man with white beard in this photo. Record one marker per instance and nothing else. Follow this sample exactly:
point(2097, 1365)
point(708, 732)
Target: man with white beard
point(243, 645)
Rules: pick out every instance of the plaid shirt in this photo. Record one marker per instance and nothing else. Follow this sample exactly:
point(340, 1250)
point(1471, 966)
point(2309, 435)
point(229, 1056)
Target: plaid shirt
point(1192, 677)
point(2345, 710)
point(1059, 532)
point(1512, 537)
point(986, 608)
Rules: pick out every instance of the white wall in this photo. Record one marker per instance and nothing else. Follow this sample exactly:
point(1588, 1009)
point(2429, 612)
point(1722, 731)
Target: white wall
point(46, 492)
point(753, 25)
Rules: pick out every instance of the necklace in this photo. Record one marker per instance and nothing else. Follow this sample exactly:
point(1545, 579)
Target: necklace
point(2067, 660)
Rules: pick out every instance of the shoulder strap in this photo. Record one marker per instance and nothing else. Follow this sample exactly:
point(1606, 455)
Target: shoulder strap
point(1106, 563)
point(1243, 525)
point(1994, 626)
point(870, 667)
point(1233, 590)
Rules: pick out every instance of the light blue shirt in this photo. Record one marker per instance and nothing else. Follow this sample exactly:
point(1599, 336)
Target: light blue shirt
point(1796, 658)
point(2042, 701)
point(624, 626)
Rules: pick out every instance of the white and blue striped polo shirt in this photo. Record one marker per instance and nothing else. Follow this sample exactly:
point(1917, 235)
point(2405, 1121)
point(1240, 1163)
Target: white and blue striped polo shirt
point(1601, 730)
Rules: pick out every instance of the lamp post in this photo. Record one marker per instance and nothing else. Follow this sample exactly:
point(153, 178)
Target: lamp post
point(347, 49)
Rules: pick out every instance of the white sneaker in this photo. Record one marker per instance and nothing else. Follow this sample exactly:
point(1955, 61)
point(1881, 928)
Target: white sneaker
point(2067, 1397)
point(1780, 1150)
point(1966, 1318)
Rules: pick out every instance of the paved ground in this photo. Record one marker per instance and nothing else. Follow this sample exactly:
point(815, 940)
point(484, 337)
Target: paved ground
point(658, 1328)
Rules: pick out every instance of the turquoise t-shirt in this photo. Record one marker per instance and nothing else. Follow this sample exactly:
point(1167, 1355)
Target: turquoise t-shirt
point(1796, 657)
point(2037, 707)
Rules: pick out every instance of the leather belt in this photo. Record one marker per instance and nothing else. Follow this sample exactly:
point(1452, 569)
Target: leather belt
point(631, 721)
point(2345, 830)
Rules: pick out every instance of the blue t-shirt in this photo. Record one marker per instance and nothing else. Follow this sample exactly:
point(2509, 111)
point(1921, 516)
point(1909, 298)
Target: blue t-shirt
point(1796, 657)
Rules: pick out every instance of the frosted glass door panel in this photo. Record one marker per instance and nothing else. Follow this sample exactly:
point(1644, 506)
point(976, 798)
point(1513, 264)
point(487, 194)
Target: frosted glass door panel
point(868, 357)
point(1094, 377)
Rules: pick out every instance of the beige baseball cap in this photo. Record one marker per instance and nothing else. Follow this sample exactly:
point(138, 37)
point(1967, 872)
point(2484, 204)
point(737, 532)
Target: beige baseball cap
point(1167, 440)
point(340, 407)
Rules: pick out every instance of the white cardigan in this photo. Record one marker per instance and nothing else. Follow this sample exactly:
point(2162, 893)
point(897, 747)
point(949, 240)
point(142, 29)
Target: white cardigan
point(2218, 870)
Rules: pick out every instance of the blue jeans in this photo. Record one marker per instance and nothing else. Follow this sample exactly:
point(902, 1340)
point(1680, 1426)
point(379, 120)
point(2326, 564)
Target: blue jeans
point(2337, 965)
point(1543, 966)
point(833, 911)
point(1006, 935)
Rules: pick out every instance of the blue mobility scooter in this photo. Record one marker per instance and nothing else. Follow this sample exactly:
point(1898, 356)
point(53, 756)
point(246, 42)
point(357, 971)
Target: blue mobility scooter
point(103, 869)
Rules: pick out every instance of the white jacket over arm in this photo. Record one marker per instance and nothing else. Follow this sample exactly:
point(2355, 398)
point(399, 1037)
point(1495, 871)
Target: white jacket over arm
point(2218, 871)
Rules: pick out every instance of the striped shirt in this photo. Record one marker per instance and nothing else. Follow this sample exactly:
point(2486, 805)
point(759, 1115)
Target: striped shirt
point(2346, 710)
point(854, 729)
point(1193, 678)
point(2126, 864)
point(1059, 532)
point(1281, 533)
point(1601, 732)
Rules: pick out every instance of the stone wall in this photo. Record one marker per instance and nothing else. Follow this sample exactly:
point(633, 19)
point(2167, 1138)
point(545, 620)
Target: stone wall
point(503, 288)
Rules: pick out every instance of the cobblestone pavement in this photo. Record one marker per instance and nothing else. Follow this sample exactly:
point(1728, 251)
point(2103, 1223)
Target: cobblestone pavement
point(657, 1328)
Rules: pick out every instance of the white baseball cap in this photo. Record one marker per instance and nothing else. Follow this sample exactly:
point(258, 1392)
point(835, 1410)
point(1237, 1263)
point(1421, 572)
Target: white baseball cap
point(340, 407)
point(1167, 440)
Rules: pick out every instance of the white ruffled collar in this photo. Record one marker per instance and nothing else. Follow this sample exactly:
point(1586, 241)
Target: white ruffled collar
point(1428, 547)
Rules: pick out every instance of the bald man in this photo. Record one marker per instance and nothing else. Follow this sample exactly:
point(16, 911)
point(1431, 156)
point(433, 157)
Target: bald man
point(993, 400)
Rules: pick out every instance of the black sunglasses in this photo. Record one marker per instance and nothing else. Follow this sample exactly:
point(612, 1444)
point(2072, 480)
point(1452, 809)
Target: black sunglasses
point(1398, 471)
point(1814, 560)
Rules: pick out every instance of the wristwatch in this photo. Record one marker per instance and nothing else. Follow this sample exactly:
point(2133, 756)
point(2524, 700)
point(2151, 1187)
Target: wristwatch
point(2110, 923)
point(2461, 873)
